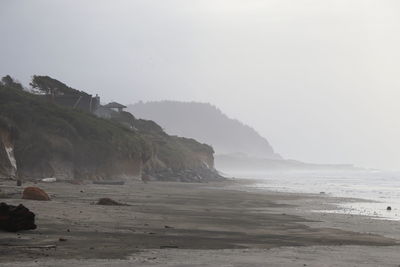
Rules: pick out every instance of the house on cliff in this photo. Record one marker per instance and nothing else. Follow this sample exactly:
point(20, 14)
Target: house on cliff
point(115, 106)
point(89, 104)
point(109, 110)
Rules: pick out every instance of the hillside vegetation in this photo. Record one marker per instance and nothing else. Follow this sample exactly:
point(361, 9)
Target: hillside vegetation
point(54, 141)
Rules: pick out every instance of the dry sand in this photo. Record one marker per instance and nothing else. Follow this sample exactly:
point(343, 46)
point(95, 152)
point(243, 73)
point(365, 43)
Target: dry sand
point(180, 224)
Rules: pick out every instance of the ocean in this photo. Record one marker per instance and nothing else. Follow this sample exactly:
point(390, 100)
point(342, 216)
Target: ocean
point(380, 189)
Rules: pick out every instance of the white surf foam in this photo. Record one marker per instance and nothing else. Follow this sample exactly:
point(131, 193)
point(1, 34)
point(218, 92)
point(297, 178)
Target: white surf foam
point(382, 188)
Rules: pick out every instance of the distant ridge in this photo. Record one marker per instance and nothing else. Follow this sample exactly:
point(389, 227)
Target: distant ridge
point(207, 124)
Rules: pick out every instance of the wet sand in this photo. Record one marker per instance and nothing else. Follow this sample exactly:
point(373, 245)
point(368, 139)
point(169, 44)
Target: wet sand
point(180, 224)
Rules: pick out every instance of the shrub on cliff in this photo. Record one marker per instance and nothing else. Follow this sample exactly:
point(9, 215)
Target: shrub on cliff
point(50, 86)
point(47, 130)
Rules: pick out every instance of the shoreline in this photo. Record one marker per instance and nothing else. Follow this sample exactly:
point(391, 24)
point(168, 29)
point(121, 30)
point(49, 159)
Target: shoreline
point(358, 203)
point(183, 217)
point(328, 213)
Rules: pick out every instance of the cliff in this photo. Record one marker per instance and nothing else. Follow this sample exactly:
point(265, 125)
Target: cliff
point(48, 140)
point(8, 164)
point(207, 124)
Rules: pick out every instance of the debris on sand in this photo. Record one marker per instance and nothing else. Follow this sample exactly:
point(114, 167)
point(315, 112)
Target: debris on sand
point(16, 218)
point(49, 180)
point(35, 193)
point(109, 202)
point(389, 208)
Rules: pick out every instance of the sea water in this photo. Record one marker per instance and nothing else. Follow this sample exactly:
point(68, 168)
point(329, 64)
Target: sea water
point(378, 189)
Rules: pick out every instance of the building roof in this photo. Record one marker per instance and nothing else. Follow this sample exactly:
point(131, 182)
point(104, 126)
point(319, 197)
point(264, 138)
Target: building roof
point(114, 105)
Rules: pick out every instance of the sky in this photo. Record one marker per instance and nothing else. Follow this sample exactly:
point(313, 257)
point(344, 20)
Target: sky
point(319, 79)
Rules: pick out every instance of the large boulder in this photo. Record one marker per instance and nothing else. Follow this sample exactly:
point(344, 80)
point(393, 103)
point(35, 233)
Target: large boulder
point(16, 218)
point(35, 193)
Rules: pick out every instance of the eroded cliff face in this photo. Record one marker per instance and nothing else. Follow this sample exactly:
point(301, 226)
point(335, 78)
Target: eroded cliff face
point(8, 164)
point(65, 143)
point(155, 153)
point(65, 169)
point(193, 163)
point(66, 160)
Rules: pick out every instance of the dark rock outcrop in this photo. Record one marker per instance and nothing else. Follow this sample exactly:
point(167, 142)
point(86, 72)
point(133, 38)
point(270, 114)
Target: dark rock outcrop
point(16, 218)
point(198, 175)
point(109, 202)
point(35, 193)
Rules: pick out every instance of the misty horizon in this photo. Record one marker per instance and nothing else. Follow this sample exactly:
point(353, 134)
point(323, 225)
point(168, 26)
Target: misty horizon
point(212, 133)
point(318, 80)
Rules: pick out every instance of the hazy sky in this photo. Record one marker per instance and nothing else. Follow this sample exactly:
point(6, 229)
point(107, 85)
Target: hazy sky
point(320, 79)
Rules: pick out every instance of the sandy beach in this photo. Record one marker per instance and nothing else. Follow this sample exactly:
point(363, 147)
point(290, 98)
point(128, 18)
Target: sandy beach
point(191, 224)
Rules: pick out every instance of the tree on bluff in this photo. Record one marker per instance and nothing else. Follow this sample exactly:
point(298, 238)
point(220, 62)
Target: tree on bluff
point(8, 81)
point(53, 87)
